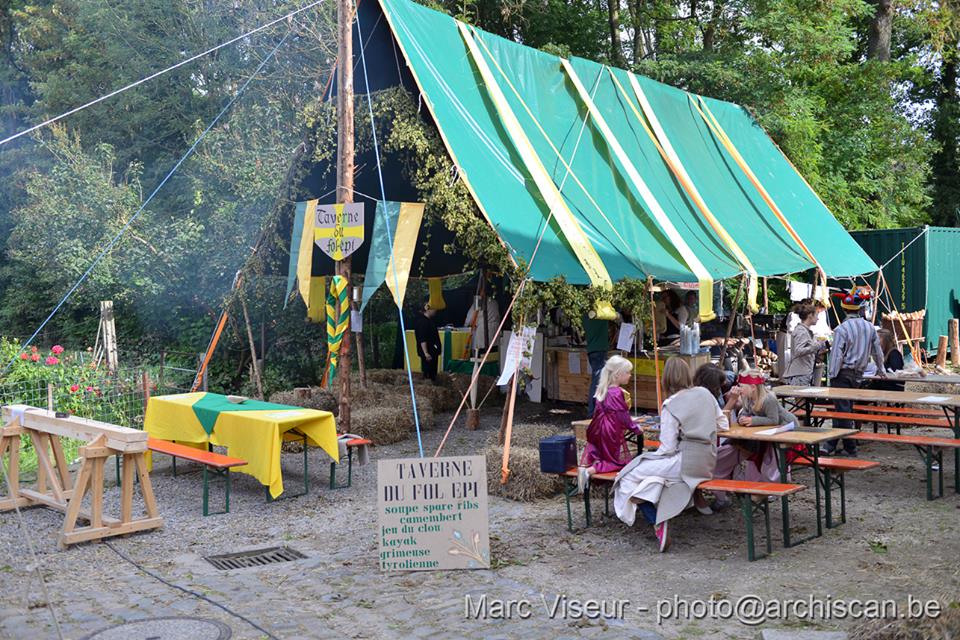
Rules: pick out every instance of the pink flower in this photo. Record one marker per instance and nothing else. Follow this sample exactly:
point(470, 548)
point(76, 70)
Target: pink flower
point(74, 388)
point(89, 389)
point(24, 356)
point(35, 357)
point(51, 360)
point(34, 350)
point(56, 350)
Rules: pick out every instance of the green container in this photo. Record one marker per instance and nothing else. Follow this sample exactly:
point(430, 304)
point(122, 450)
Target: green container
point(921, 275)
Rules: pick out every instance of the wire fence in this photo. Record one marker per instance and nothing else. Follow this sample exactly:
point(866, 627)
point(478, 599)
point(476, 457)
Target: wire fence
point(117, 399)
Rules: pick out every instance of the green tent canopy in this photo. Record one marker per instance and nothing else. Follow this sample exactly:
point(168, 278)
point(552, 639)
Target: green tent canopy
point(635, 229)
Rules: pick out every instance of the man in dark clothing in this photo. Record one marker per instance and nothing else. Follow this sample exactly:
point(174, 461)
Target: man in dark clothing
point(598, 343)
point(428, 342)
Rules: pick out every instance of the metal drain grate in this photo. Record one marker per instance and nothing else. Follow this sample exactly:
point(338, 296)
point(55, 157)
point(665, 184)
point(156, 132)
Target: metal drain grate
point(254, 558)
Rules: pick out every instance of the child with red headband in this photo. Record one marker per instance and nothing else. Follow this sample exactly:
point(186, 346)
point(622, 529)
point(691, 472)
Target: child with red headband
point(759, 408)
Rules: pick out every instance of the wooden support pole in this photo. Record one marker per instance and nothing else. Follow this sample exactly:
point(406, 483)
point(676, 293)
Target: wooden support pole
point(656, 349)
point(954, 331)
point(766, 297)
point(253, 348)
point(733, 316)
point(345, 171)
point(942, 352)
point(50, 396)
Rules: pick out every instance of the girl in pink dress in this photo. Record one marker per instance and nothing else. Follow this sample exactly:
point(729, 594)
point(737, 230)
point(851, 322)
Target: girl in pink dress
point(606, 450)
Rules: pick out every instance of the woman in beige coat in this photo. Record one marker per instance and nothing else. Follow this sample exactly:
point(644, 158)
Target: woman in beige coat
point(664, 481)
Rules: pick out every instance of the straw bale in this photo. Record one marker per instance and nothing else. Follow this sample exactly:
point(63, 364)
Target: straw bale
point(944, 627)
point(528, 435)
point(525, 483)
point(382, 424)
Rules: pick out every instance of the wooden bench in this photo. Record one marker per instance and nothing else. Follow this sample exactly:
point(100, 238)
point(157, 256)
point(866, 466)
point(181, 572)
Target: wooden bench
point(906, 411)
point(217, 463)
point(930, 448)
point(891, 421)
point(352, 444)
point(742, 489)
point(833, 471)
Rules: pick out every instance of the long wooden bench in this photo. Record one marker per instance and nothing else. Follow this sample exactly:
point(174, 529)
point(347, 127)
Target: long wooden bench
point(744, 491)
point(878, 408)
point(833, 471)
point(217, 463)
point(876, 419)
point(930, 448)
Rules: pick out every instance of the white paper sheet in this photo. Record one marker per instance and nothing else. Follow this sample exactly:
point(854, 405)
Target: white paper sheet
point(933, 399)
point(573, 362)
point(512, 360)
point(356, 321)
point(625, 337)
point(800, 290)
point(774, 431)
point(809, 390)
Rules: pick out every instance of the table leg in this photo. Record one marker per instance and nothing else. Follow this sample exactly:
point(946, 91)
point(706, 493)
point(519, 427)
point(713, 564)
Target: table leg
point(816, 487)
point(784, 503)
point(956, 452)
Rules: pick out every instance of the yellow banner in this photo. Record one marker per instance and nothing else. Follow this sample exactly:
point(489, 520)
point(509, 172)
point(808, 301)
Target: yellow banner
point(669, 154)
point(583, 249)
point(700, 271)
point(305, 256)
point(404, 244)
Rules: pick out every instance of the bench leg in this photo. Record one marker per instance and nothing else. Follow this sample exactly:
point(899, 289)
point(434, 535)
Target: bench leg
point(569, 489)
point(586, 502)
point(842, 481)
point(349, 467)
point(749, 508)
point(606, 500)
point(828, 501)
point(225, 473)
point(333, 475)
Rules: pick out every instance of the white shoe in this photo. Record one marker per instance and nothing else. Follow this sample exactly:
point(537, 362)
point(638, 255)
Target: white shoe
point(583, 479)
point(707, 511)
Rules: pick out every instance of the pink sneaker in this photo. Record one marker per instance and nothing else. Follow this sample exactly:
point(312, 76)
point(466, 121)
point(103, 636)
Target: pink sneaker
point(663, 536)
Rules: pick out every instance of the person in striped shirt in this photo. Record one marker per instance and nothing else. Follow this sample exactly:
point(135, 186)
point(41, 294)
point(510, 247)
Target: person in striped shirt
point(855, 341)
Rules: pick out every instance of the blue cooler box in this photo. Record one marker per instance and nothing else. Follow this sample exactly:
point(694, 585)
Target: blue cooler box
point(558, 453)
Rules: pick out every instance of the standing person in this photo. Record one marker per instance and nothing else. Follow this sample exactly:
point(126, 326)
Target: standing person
point(606, 450)
point(665, 480)
point(674, 313)
point(428, 342)
point(692, 306)
point(598, 343)
point(804, 350)
point(855, 341)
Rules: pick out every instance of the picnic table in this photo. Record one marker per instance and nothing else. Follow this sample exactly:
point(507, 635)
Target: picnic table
point(804, 397)
point(809, 439)
point(251, 430)
point(934, 378)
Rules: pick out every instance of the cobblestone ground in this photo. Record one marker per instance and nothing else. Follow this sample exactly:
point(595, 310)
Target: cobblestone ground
point(894, 545)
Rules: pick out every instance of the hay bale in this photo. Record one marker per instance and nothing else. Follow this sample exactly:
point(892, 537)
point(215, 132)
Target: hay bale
point(525, 483)
point(315, 398)
point(944, 627)
point(383, 424)
point(528, 435)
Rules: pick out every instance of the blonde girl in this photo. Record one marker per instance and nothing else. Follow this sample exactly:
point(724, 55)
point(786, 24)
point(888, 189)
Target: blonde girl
point(606, 450)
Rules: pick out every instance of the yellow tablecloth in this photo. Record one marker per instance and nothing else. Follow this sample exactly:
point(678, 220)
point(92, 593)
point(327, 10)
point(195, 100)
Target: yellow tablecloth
point(254, 436)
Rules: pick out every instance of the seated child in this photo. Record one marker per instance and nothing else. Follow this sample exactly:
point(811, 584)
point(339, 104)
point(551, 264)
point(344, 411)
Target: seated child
point(606, 448)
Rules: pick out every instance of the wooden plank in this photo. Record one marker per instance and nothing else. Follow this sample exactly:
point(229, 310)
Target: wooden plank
point(752, 488)
point(44, 499)
point(737, 432)
point(126, 490)
point(7, 504)
point(76, 500)
point(61, 460)
point(146, 488)
point(120, 438)
point(96, 493)
point(44, 467)
point(89, 533)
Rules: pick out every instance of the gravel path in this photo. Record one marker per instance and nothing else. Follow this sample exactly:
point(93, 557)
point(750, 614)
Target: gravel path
point(894, 545)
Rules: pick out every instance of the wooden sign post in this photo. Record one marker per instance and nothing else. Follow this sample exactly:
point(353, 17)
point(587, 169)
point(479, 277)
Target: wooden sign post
point(433, 513)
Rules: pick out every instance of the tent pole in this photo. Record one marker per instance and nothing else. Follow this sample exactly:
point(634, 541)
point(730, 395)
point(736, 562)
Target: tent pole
point(876, 303)
point(345, 171)
point(733, 316)
point(656, 348)
point(903, 327)
point(253, 348)
point(360, 354)
point(766, 298)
